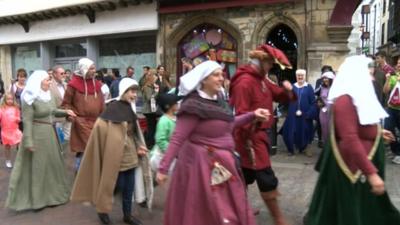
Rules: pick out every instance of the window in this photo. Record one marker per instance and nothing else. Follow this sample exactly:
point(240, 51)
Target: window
point(66, 50)
point(127, 46)
point(26, 57)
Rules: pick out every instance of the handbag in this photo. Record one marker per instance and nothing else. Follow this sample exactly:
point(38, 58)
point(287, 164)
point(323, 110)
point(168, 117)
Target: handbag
point(394, 99)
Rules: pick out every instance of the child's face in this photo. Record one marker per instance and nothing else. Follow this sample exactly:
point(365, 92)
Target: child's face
point(174, 109)
point(130, 95)
point(9, 100)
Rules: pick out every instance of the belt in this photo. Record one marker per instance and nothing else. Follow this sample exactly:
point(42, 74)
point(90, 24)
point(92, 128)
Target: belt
point(42, 122)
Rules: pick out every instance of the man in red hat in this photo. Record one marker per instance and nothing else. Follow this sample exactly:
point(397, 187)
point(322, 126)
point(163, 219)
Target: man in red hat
point(249, 90)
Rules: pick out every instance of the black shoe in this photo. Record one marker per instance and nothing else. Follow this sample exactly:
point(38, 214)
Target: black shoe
point(104, 218)
point(132, 220)
point(143, 204)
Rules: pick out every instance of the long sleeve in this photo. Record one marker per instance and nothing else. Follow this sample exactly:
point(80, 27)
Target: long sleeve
point(67, 102)
point(184, 128)
point(350, 145)
point(279, 94)
point(240, 98)
point(27, 119)
point(312, 111)
point(244, 119)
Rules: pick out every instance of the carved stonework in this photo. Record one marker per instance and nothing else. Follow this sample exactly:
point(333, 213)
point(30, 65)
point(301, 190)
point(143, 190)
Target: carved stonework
point(339, 34)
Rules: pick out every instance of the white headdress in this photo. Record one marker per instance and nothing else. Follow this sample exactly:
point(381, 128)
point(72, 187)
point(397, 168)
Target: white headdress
point(191, 80)
point(353, 79)
point(123, 86)
point(33, 89)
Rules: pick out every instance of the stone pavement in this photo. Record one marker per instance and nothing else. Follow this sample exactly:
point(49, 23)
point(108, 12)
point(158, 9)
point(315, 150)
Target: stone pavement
point(296, 175)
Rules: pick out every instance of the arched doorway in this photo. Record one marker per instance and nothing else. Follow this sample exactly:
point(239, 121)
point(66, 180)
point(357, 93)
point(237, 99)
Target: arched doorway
point(208, 41)
point(284, 38)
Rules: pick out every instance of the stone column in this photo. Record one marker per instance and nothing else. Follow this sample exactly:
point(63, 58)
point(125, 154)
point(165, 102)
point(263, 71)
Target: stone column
point(6, 65)
point(93, 49)
point(45, 55)
point(328, 53)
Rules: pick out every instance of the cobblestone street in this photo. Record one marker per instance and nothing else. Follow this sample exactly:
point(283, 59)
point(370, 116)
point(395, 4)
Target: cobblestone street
point(297, 180)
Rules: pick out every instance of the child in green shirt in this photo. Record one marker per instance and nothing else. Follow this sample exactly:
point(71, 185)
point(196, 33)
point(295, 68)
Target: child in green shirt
point(165, 127)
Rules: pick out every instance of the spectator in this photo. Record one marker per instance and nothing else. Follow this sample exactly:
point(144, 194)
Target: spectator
point(297, 130)
point(130, 73)
point(150, 91)
point(18, 86)
point(104, 88)
point(392, 89)
point(381, 57)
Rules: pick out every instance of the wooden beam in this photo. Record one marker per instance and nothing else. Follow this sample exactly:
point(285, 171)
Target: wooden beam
point(123, 3)
point(71, 11)
point(217, 5)
point(25, 25)
point(99, 7)
point(91, 15)
point(134, 2)
point(111, 6)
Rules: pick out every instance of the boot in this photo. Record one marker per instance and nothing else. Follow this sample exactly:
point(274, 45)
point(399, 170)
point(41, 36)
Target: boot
point(104, 218)
point(128, 219)
point(270, 199)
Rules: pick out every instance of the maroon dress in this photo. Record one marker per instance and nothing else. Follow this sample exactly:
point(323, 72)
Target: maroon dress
point(203, 136)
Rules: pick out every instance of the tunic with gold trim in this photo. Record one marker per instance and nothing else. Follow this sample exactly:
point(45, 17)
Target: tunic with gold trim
point(342, 195)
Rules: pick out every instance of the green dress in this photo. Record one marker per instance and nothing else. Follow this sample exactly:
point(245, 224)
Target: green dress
point(38, 178)
point(341, 199)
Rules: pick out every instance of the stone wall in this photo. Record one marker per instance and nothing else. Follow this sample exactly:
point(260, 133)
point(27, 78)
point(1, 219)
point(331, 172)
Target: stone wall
point(318, 43)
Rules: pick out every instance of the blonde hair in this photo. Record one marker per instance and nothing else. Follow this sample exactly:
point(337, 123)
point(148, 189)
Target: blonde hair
point(4, 100)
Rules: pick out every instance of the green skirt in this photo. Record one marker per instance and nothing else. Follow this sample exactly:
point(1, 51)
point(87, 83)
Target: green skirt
point(337, 201)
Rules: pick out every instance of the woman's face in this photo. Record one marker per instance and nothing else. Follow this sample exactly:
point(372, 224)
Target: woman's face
point(130, 95)
point(326, 81)
point(21, 79)
point(300, 78)
point(214, 82)
point(161, 71)
point(45, 84)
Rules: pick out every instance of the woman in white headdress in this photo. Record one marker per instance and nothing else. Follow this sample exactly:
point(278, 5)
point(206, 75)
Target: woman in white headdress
point(39, 178)
point(115, 158)
point(85, 98)
point(350, 188)
point(322, 101)
point(206, 174)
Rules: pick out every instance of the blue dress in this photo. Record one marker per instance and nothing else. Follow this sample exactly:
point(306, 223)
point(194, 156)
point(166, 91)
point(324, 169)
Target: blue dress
point(297, 130)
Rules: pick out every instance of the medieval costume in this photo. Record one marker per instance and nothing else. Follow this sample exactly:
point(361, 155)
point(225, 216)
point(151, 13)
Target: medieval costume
point(206, 173)
point(111, 159)
point(39, 178)
point(84, 97)
point(250, 90)
point(298, 131)
point(354, 152)
point(323, 104)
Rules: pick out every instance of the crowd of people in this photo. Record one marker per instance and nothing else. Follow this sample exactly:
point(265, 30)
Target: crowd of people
point(209, 134)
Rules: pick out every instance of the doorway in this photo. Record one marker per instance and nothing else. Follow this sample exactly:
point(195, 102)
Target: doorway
point(284, 38)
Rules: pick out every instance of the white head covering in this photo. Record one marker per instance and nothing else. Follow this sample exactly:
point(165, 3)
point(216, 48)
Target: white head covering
point(33, 90)
point(83, 67)
point(353, 79)
point(123, 86)
point(329, 75)
point(191, 80)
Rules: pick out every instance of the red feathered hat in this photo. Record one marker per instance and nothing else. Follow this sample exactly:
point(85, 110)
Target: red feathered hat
point(266, 51)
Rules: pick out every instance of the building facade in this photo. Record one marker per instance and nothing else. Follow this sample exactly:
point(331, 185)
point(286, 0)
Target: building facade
point(119, 33)
point(311, 32)
point(114, 34)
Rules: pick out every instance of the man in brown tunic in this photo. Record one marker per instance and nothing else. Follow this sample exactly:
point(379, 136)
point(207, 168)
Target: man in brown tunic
point(84, 97)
